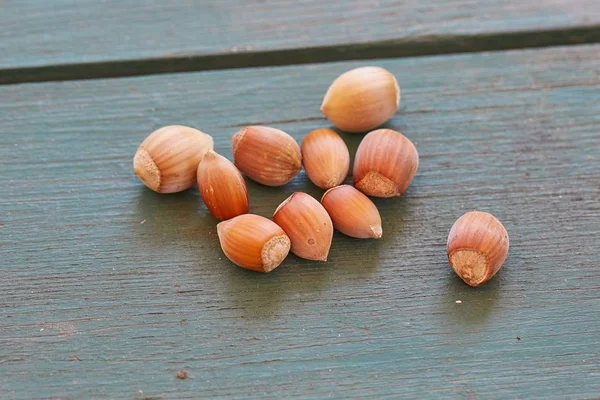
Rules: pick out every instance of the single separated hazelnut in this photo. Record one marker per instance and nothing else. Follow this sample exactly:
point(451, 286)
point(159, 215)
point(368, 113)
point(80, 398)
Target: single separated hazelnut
point(477, 247)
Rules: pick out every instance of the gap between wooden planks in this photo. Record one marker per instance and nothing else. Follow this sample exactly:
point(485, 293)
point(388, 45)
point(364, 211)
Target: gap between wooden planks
point(414, 47)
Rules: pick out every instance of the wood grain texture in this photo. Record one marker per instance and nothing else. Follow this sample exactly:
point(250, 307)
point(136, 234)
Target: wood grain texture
point(109, 289)
point(47, 33)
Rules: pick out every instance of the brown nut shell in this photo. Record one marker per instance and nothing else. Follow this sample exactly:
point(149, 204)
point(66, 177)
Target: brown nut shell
point(222, 187)
point(253, 242)
point(352, 213)
point(307, 224)
point(266, 155)
point(477, 247)
point(361, 99)
point(325, 157)
point(385, 164)
point(167, 160)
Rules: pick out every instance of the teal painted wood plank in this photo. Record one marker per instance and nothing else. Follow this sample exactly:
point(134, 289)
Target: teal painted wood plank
point(46, 33)
point(108, 289)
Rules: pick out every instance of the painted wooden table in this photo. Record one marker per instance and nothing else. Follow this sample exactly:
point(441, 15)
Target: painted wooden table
point(107, 289)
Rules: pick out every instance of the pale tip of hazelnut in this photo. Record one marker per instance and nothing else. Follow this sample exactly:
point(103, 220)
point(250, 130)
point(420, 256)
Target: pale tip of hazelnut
point(332, 182)
point(327, 191)
point(274, 252)
point(377, 231)
point(221, 226)
point(237, 139)
point(210, 154)
point(145, 168)
point(397, 87)
point(375, 184)
point(470, 265)
point(324, 103)
point(283, 203)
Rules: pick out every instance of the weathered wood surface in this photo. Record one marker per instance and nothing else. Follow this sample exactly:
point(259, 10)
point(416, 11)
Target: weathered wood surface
point(110, 35)
point(108, 289)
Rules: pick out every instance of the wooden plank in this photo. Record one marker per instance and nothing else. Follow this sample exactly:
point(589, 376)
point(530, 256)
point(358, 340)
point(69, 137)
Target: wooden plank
point(50, 39)
point(108, 289)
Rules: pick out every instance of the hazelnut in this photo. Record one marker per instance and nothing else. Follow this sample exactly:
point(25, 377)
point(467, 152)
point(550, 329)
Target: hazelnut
point(167, 160)
point(222, 187)
point(385, 164)
point(253, 242)
point(361, 99)
point(266, 155)
point(325, 157)
point(352, 213)
point(477, 247)
point(307, 224)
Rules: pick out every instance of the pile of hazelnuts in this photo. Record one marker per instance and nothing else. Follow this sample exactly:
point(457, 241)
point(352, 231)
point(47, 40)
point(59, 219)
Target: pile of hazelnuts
point(175, 157)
